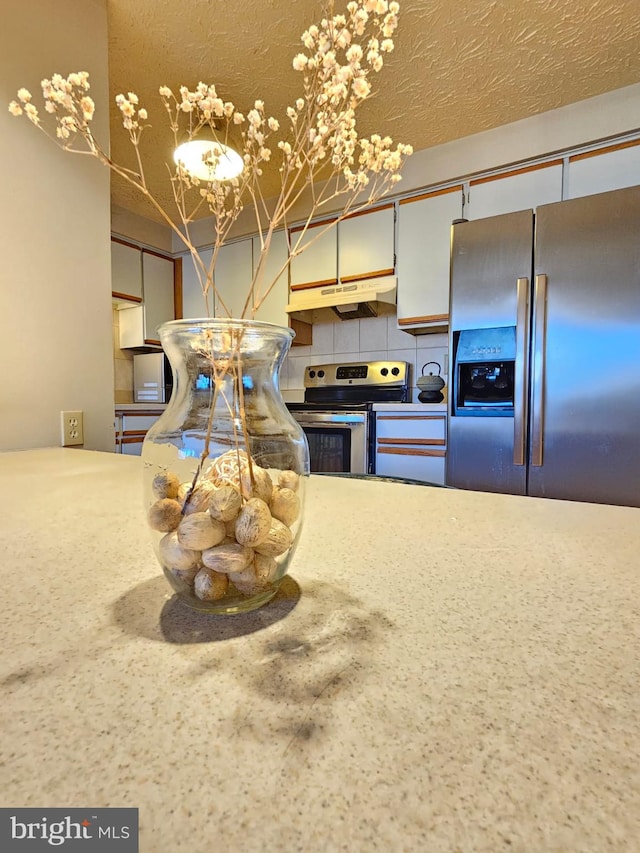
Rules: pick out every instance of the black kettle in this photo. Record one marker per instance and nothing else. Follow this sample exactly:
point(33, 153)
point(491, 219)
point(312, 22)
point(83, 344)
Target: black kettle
point(430, 386)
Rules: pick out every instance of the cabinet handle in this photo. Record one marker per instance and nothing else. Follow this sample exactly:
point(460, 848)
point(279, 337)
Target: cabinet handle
point(408, 451)
point(411, 417)
point(414, 441)
point(427, 318)
point(364, 276)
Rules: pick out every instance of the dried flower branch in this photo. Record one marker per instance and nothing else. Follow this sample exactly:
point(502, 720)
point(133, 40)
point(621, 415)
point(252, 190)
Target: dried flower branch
point(320, 150)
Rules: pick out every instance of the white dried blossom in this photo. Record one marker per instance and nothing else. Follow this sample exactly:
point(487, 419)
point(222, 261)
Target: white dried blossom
point(88, 107)
point(15, 109)
point(361, 87)
point(32, 113)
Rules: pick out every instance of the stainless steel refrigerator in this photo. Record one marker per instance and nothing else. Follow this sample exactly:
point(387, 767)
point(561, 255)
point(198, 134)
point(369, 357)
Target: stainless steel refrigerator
point(544, 384)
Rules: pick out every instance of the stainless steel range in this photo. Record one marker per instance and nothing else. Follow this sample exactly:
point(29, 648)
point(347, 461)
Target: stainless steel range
point(337, 411)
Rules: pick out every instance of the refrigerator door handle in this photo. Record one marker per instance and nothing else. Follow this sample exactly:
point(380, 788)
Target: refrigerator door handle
point(521, 391)
point(539, 349)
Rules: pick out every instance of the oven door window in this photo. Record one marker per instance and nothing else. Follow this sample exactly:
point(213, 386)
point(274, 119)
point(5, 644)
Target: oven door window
point(329, 449)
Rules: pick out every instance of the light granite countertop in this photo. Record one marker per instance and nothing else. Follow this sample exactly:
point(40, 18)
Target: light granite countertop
point(442, 671)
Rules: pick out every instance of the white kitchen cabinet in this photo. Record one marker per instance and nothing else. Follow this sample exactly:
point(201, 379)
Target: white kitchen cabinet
point(611, 168)
point(411, 445)
point(126, 272)
point(131, 428)
point(193, 301)
point(273, 309)
point(520, 189)
point(424, 246)
point(157, 291)
point(233, 274)
point(139, 325)
point(235, 266)
point(366, 244)
point(318, 264)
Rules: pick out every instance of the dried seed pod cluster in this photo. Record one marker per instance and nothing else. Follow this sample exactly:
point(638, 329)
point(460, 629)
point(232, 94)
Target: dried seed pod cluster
point(230, 531)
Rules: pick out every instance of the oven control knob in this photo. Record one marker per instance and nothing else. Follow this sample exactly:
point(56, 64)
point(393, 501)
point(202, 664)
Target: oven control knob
point(395, 370)
point(384, 371)
point(320, 373)
point(312, 373)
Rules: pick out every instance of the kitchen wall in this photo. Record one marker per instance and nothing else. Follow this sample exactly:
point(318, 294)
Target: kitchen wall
point(141, 230)
point(55, 288)
point(362, 340)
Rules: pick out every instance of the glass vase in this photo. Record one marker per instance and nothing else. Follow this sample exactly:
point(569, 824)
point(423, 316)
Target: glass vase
point(225, 465)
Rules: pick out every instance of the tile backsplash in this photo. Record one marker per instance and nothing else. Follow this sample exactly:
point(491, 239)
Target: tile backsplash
point(365, 340)
point(341, 340)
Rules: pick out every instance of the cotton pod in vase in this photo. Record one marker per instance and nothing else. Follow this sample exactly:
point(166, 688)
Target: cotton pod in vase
point(225, 466)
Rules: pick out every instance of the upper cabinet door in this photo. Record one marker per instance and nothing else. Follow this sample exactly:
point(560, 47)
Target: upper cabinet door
point(233, 274)
point(611, 168)
point(193, 302)
point(366, 244)
point(158, 289)
point(126, 271)
point(318, 264)
point(273, 309)
point(520, 189)
point(424, 245)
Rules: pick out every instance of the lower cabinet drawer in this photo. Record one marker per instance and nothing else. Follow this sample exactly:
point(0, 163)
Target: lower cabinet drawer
point(130, 445)
point(138, 422)
point(423, 428)
point(411, 445)
point(131, 429)
point(134, 448)
point(415, 463)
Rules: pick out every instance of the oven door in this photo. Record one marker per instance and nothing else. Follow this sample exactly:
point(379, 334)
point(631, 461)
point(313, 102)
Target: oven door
point(338, 441)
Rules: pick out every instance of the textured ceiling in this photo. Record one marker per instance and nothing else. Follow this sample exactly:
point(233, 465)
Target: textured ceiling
point(458, 67)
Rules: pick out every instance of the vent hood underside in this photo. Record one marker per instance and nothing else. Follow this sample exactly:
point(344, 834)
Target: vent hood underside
point(348, 301)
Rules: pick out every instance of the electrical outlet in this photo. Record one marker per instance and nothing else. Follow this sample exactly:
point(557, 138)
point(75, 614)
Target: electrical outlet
point(72, 429)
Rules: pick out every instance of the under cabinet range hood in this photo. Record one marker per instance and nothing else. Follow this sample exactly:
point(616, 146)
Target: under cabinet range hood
point(348, 300)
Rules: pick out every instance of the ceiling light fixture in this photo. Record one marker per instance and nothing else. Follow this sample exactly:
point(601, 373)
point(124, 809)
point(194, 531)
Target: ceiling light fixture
point(208, 160)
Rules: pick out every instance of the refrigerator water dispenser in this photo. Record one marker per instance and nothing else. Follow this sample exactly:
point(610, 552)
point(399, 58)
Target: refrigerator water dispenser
point(483, 375)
